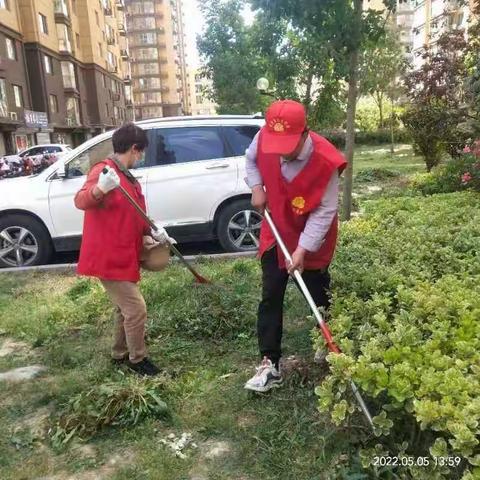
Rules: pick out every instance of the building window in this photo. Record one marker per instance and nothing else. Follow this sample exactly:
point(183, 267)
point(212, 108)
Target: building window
point(148, 23)
point(4, 4)
point(53, 101)
point(97, 18)
point(63, 35)
point(73, 111)
point(143, 7)
point(68, 74)
point(42, 20)
point(11, 48)
point(108, 110)
point(48, 64)
point(77, 36)
point(104, 80)
point(199, 99)
point(3, 98)
point(18, 95)
point(112, 61)
point(100, 50)
point(74, 6)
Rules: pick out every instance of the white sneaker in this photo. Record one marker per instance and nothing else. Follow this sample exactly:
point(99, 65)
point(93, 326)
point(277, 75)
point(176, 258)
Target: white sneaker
point(266, 378)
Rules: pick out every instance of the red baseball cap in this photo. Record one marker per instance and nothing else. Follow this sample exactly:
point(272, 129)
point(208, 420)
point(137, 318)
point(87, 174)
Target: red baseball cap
point(286, 120)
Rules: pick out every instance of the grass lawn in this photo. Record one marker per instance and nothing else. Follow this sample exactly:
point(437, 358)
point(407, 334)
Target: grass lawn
point(65, 324)
point(403, 160)
point(204, 338)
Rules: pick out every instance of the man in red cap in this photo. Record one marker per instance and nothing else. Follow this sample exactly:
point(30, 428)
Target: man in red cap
point(295, 173)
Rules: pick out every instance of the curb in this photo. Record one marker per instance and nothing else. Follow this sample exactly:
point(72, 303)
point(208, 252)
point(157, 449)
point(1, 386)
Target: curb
point(70, 267)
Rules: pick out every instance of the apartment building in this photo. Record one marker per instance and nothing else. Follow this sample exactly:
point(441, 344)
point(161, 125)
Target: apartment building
point(15, 96)
point(157, 48)
point(431, 18)
point(65, 80)
point(200, 104)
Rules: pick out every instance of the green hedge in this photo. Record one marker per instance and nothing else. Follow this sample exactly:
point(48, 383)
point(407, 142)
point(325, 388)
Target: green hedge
point(380, 137)
point(406, 315)
point(457, 174)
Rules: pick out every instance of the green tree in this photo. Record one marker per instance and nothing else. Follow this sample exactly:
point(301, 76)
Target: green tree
point(381, 64)
point(436, 112)
point(226, 48)
point(473, 73)
point(337, 31)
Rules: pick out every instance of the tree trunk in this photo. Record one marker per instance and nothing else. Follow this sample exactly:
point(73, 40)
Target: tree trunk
point(380, 109)
point(308, 93)
point(392, 129)
point(351, 110)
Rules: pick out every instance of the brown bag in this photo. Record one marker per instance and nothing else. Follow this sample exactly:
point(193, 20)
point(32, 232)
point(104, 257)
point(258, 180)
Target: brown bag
point(155, 257)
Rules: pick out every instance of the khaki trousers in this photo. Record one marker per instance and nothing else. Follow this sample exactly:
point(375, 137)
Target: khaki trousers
point(130, 319)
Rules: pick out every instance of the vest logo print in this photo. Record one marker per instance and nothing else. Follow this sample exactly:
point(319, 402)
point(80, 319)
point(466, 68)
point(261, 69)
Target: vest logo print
point(298, 204)
point(279, 125)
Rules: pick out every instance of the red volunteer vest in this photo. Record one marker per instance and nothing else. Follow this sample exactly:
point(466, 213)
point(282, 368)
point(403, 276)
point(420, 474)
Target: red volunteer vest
point(290, 203)
point(113, 235)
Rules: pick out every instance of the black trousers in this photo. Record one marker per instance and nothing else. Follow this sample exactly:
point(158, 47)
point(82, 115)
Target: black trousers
point(270, 310)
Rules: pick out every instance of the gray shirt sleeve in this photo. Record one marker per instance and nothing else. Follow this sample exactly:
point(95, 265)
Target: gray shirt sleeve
point(320, 219)
point(254, 176)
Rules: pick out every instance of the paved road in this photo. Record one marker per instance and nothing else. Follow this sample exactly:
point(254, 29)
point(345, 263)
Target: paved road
point(196, 248)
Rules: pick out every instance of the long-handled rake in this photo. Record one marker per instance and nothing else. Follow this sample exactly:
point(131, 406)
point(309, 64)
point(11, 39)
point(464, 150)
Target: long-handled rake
point(321, 322)
point(173, 248)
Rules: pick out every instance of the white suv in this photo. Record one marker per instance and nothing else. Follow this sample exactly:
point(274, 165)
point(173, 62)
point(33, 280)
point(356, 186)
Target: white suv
point(38, 151)
point(192, 178)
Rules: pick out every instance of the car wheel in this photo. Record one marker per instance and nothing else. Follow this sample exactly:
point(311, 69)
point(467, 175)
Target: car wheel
point(24, 242)
point(239, 227)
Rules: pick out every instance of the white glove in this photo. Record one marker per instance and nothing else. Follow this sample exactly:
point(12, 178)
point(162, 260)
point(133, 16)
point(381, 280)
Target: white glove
point(108, 181)
point(161, 236)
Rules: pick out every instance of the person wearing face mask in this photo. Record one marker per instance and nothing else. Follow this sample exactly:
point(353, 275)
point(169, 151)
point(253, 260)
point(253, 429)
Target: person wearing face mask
point(113, 241)
point(295, 174)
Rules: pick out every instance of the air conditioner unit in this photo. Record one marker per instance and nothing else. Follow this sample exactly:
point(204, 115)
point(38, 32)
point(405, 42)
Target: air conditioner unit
point(13, 115)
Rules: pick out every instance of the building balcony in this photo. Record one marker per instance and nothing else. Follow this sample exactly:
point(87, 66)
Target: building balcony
point(144, 15)
point(110, 40)
point(144, 89)
point(135, 45)
point(127, 79)
point(72, 122)
point(61, 12)
point(116, 97)
point(124, 54)
point(122, 30)
point(149, 104)
point(144, 60)
point(65, 47)
point(112, 68)
point(108, 10)
point(145, 75)
point(120, 5)
point(71, 90)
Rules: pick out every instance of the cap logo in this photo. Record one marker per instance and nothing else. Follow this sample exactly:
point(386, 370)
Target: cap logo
point(278, 125)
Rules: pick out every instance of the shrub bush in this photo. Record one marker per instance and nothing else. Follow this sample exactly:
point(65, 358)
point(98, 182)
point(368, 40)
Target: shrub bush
point(405, 314)
point(457, 174)
point(375, 175)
